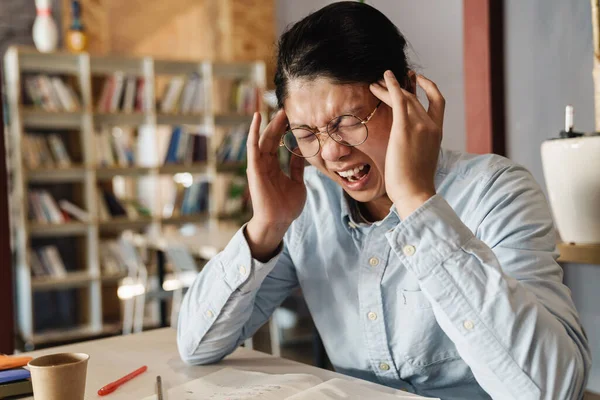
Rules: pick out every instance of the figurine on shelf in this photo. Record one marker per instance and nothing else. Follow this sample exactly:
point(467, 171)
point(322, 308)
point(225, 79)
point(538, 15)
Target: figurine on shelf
point(76, 38)
point(45, 32)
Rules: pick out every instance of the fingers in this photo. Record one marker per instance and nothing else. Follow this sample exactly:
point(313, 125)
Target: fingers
point(437, 103)
point(414, 106)
point(398, 99)
point(297, 169)
point(253, 135)
point(380, 91)
point(270, 138)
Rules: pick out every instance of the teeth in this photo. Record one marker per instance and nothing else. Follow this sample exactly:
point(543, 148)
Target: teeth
point(349, 174)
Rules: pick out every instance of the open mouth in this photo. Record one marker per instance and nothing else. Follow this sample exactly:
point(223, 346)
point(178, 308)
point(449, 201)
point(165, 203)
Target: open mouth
point(355, 174)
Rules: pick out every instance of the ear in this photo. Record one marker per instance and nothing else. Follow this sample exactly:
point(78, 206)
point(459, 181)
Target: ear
point(411, 81)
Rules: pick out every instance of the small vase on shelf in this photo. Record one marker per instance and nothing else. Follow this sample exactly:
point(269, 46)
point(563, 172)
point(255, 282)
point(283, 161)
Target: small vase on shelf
point(45, 32)
point(76, 39)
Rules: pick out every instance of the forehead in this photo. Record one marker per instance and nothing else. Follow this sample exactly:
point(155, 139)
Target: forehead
point(316, 102)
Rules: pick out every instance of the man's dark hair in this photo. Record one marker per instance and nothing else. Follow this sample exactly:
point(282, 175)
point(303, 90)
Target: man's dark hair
point(346, 42)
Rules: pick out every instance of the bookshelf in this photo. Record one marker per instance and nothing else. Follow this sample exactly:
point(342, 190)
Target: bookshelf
point(143, 177)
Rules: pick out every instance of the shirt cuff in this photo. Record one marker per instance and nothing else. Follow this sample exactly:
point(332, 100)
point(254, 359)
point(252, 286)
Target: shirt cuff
point(428, 236)
point(241, 271)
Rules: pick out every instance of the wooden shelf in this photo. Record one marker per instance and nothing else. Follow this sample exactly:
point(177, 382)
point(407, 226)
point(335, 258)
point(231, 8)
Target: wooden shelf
point(171, 169)
point(111, 172)
point(105, 65)
point(66, 229)
point(186, 219)
point(238, 166)
point(118, 224)
point(34, 117)
point(57, 175)
point(56, 62)
point(85, 71)
point(120, 118)
point(579, 253)
point(72, 279)
point(179, 119)
point(229, 119)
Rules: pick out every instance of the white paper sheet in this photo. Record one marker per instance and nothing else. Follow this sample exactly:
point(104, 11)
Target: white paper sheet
point(233, 384)
point(345, 389)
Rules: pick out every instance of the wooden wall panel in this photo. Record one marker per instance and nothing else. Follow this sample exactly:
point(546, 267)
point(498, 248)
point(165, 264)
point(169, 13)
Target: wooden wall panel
point(223, 30)
point(484, 76)
point(95, 19)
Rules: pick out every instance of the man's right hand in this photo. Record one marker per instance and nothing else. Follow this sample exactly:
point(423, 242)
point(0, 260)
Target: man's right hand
point(277, 200)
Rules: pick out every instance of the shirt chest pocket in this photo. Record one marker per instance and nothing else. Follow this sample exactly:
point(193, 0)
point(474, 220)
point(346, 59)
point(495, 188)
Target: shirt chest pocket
point(417, 341)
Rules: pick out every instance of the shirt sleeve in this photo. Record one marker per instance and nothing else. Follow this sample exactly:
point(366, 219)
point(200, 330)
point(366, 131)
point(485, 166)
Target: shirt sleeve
point(230, 299)
point(498, 293)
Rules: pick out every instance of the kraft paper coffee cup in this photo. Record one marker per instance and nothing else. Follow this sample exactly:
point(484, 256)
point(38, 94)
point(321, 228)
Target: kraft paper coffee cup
point(59, 376)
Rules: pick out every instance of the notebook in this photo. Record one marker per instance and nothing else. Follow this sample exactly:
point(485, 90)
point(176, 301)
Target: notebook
point(11, 375)
point(16, 388)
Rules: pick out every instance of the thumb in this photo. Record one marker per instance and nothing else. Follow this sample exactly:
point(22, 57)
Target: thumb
point(297, 169)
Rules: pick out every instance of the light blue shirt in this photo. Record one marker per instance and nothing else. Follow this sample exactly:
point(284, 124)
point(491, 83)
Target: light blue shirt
point(461, 300)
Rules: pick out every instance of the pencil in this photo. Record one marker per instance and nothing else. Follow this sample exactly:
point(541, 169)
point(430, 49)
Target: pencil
point(159, 388)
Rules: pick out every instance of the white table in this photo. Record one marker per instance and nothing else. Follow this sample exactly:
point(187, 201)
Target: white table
point(113, 358)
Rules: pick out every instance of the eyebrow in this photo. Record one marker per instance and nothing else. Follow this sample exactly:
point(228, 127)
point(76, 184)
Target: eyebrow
point(354, 111)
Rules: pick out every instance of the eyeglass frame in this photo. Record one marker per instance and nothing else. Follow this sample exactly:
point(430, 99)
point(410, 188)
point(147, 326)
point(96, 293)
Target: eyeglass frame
point(319, 133)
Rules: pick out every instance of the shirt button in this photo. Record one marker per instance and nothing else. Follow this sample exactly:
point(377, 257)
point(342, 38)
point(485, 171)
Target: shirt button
point(409, 250)
point(209, 314)
point(374, 261)
point(384, 367)
point(372, 316)
point(242, 270)
point(469, 325)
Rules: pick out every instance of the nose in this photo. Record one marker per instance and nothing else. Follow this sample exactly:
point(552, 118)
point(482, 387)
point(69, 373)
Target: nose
point(332, 150)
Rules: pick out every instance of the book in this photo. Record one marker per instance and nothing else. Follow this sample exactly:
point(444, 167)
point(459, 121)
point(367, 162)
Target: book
point(231, 383)
point(37, 268)
point(189, 91)
point(52, 261)
point(103, 213)
point(15, 374)
point(117, 92)
point(45, 154)
point(115, 208)
point(105, 95)
point(129, 97)
point(233, 147)
point(74, 210)
point(16, 388)
point(171, 156)
point(59, 152)
point(51, 208)
point(50, 93)
point(171, 95)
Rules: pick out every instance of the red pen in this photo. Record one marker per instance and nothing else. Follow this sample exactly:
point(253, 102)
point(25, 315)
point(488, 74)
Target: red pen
point(111, 387)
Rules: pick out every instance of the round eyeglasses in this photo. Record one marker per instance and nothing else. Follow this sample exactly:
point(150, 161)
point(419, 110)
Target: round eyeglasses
point(347, 129)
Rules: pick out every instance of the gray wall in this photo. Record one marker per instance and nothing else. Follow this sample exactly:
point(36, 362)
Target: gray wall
point(434, 30)
point(548, 65)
